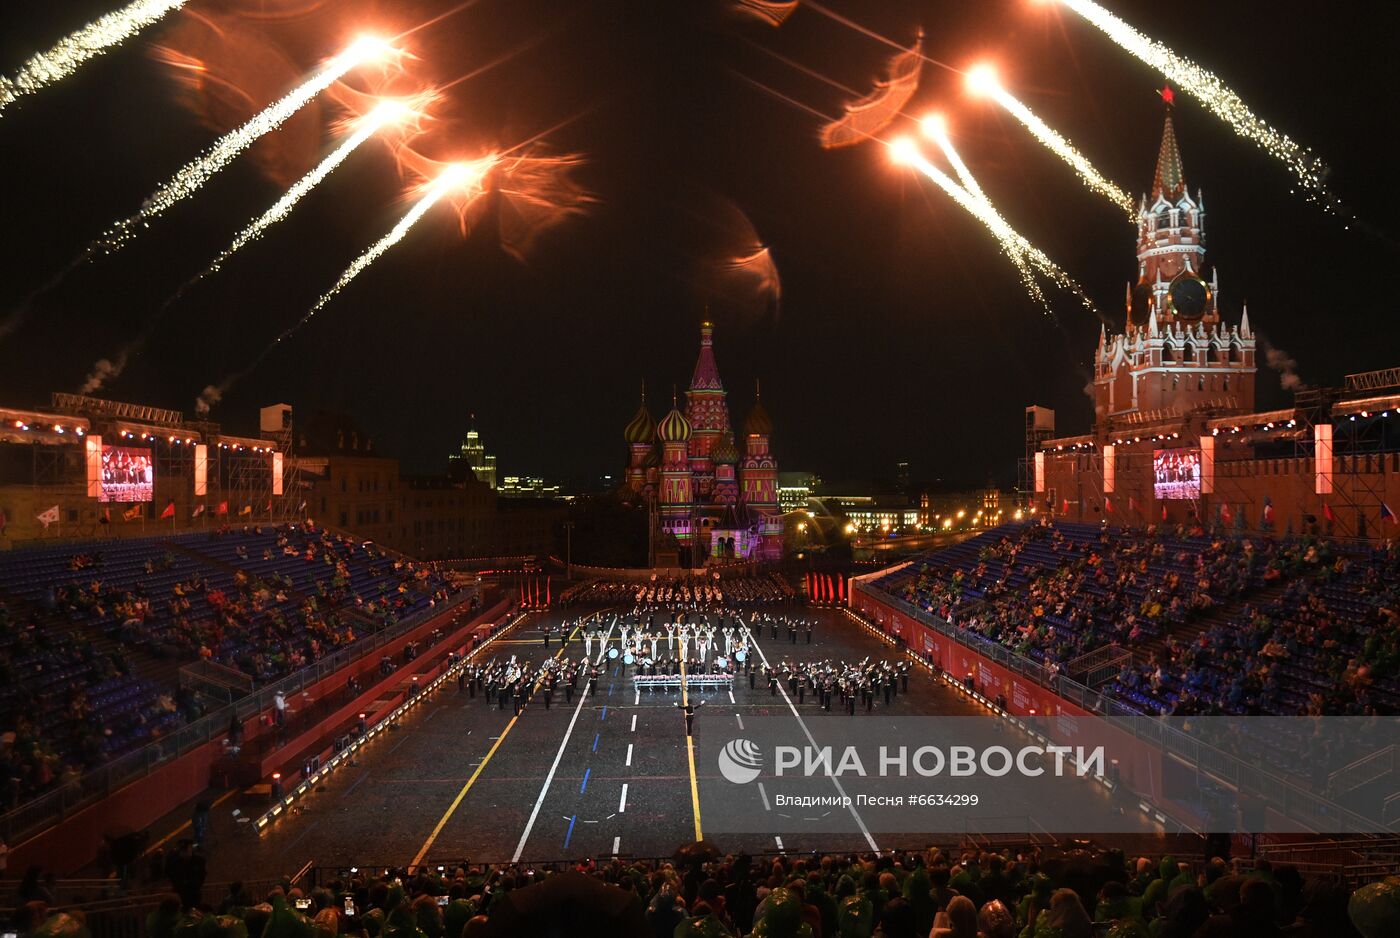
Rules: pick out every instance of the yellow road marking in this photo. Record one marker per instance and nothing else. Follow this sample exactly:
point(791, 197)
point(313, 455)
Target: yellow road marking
point(456, 802)
point(690, 757)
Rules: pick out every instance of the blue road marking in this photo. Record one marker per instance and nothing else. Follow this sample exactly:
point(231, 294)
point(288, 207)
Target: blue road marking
point(570, 835)
point(584, 787)
point(595, 741)
point(605, 712)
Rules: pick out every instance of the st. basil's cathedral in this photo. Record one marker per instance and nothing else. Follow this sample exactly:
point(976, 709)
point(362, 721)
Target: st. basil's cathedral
point(708, 495)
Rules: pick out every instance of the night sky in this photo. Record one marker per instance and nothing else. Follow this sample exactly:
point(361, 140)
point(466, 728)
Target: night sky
point(902, 333)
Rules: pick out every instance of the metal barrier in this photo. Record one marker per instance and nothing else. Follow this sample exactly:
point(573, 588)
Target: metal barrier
point(650, 681)
point(53, 806)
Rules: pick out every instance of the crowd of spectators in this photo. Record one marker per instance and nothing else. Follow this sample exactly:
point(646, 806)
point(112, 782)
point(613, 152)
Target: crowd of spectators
point(1220, 624)
point(66, 706)
point(1054, 591)
point(78, 625)
point(1075, 893)
point(1328, 643)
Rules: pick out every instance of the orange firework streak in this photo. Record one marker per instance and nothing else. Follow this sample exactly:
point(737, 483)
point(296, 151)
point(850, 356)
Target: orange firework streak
point(865, 118)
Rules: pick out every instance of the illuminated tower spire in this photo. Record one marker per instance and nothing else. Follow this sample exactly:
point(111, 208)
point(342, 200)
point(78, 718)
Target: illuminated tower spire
point(1171, 244)
point(1169, 181)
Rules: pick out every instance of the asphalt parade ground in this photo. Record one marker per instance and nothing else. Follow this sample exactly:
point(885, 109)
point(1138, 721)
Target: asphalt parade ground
point(606, 774)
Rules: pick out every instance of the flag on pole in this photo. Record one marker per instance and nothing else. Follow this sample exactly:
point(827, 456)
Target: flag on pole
point(1133, 504)
point(48, 516)
point(132, 513)
point(1386, 515)
point(169, 511)
point(301, 507)
point(1164, 511)
point(1108, 505)
point(1064, 507)
point(1268, 514)
point(198, 510)
point(1225, 513)
point(247, 509)
point(106, 516)
point(222, 509)
point(1328, 513)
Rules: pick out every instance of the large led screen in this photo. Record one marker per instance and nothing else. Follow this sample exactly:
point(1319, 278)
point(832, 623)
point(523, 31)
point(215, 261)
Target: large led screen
point(128, 475)
point(1176, 473)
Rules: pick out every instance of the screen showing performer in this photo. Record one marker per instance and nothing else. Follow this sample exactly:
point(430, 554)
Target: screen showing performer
point(1176, 473)
point(128, 475)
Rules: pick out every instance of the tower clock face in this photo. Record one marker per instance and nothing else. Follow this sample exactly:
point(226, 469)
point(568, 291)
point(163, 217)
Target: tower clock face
point(1189, 296)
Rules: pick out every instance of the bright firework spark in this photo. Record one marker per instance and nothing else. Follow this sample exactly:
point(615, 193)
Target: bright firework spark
point(192, 176)
point(906, 152)
point(72, 51)
point(936, 129)
point(983, 80)
point(1213, 93)
point(390, 112)
point(456, 179)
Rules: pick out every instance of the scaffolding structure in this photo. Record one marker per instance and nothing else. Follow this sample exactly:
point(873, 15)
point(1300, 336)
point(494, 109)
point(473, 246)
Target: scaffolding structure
point(200, 475)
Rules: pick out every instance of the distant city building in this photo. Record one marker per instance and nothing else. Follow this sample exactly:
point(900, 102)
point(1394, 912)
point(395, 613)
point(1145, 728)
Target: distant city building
point(473, 456)
point(872, 513)
point(794, 488)
point(527, 487)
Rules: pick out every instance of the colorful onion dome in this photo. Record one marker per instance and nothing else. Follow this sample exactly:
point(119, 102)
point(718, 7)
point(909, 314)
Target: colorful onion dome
point(758, 423)
point(642, 429)
point(653, 457)
point(725, 451)
point(674, 427)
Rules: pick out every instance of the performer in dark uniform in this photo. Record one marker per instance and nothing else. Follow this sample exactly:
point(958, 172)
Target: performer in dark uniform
point(689, 710)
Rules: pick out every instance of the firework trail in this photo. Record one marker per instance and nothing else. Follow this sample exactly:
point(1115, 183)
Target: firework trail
point(936, 130)
point(72, 51)
point(982, 80)
point(1217, 97)
point(386, 113)
point(456, 177)
point(906, 152)
point(192, 176)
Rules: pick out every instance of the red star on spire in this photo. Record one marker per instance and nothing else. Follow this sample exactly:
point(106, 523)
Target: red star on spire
point(1168, 95)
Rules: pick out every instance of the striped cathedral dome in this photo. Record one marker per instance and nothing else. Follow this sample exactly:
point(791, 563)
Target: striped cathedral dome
point(642, 429)
point(674, 427)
